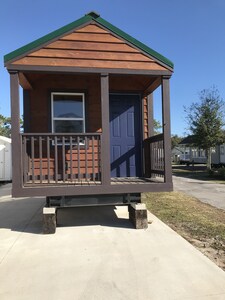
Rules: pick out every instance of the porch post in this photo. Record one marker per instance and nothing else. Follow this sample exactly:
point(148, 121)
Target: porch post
point(150, 115)
point(15, 133)
point(105, 142)
point(166, 129)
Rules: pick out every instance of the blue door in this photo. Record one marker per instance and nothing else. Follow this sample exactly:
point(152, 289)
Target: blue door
point(125, 135)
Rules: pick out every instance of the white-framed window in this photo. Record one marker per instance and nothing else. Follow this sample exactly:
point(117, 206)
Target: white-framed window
point(68, 112)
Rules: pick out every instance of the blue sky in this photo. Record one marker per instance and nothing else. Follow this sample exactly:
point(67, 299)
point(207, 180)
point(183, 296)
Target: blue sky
point(191, 33)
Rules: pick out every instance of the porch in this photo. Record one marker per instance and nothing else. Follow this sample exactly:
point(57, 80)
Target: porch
point(65, 159)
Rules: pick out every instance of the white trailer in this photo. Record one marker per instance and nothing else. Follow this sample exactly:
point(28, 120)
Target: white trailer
point(5, 159)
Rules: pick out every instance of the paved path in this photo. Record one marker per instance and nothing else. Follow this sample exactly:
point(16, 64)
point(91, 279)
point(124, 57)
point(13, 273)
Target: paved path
point(205, 191)
point(97, 255)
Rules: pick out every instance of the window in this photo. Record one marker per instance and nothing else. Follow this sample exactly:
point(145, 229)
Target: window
point(222, 150)
point(68, 112)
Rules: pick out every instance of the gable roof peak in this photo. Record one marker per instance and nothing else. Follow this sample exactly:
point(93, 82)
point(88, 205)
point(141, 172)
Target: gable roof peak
point(93, 14)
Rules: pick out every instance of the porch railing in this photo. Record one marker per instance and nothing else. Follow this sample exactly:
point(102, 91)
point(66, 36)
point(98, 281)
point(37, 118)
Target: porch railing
point(61, 158)
point(154, 156)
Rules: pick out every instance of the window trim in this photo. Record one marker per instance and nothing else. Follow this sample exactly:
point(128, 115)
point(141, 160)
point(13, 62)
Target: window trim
point(68, 119)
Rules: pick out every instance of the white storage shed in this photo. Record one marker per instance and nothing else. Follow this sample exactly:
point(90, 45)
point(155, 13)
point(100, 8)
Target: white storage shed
point(5, 159)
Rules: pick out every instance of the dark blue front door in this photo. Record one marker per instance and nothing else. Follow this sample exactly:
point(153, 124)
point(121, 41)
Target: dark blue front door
point(125, 135)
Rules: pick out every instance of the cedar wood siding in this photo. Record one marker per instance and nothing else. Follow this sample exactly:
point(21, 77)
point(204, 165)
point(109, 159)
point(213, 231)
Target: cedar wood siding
point(90, 46)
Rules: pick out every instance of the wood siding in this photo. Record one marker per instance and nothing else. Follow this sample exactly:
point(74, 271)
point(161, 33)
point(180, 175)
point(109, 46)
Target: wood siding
point(90, 46)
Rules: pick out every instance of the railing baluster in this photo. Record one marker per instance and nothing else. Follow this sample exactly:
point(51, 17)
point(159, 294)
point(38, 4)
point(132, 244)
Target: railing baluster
point(40, 156)
point(86, 160)
point(56, 159)
point(71, 158)
point(32, 157)
point(78, 157)
point(93, 158)
point(99, 157)
point(24, 145)
point(48, 158)
point(63, 158)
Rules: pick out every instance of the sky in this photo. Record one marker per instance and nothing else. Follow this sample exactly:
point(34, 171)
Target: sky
point(191, 33)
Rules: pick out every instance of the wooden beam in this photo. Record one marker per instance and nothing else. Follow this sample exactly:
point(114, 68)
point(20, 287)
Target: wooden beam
point(15, 134)
point(77, 70)
point(105, 138)
point(150, 115)
point(166, 129)
point(153, 85)
point(24, 82)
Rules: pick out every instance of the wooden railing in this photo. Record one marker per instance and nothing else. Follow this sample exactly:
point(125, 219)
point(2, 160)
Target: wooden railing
point(154, 156)
point(61, 158)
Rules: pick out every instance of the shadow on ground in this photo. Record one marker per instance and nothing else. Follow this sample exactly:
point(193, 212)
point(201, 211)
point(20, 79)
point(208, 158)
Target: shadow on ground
point(95, 215)
point(25, 215)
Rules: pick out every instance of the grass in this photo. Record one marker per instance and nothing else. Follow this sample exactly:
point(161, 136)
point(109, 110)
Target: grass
point(196, 172)
point(199, 223)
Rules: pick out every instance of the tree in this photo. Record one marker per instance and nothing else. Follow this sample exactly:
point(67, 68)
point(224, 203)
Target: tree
point(175, 140)
point(5, 126)
point(157, 126)
point(206, 120)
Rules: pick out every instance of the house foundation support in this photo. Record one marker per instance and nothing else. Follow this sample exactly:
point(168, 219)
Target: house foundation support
point(49, 220)
point(138, 215)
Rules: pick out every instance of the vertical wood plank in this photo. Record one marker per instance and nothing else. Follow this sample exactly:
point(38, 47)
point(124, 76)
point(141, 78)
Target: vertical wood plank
point(56, 159)
point(86, 161)
point(166, 129)
point(15, 134)
point(99, 157)
point(93, 157)
point(78, 157)
point(24, 151)
point(48, 158)
point(40, 156)
point(105, 145)
point(150, 115)
point(32, 157)
point(63, 159)
point(71, 158)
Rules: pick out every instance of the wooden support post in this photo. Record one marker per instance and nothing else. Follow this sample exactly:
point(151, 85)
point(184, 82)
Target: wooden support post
point(105, 141)
point(138, 215)
point(15, 134)
point(166, 129)
point(49, 220)
point(150, 115)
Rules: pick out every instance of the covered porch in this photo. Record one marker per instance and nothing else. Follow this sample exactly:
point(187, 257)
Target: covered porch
point(79, 162)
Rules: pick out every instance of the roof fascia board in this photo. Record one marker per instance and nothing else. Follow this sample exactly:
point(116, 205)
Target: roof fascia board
point(134, 42)
point(73, 70)
point(46, 39)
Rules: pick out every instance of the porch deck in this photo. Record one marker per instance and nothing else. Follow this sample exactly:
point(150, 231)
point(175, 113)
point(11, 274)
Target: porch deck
point(86, 182)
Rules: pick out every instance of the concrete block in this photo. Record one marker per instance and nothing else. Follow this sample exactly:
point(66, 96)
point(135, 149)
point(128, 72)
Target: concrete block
point(138, 215)
point(49, 220)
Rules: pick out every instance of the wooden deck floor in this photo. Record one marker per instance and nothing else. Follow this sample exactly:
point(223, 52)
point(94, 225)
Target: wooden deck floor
point(86, 182)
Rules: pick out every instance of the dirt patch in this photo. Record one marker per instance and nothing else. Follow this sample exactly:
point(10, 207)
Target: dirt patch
point(199, 223)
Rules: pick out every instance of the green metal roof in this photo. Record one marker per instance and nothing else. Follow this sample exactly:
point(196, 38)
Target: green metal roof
point(82, 21)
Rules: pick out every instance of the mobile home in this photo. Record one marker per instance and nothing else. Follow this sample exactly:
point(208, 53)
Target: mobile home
point(88, 116)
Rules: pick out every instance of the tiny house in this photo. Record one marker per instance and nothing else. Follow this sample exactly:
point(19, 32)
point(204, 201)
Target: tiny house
point(218, 156)
point(88, 116)
point(5, 159)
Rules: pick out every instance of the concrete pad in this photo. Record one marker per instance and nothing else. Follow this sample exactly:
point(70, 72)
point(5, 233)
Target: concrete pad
point(96, 254)
point(206, 191)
